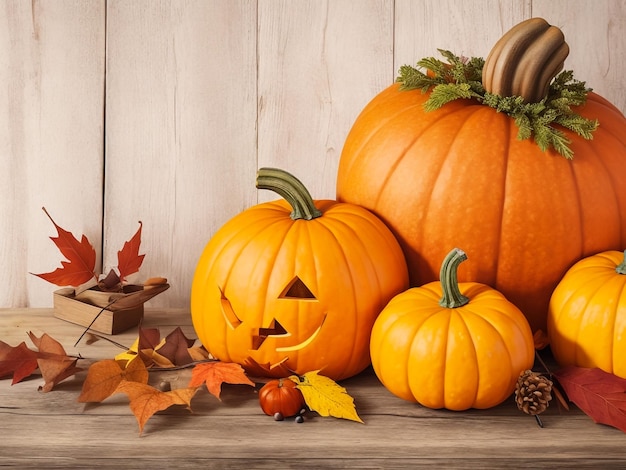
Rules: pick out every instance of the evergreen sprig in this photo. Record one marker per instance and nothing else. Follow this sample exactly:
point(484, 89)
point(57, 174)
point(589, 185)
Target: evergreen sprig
point(461, 78)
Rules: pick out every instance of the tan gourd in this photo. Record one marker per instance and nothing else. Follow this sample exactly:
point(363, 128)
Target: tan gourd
point(525, 60)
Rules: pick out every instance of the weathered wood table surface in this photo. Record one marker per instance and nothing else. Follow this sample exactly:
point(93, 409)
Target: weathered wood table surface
point(53, 430)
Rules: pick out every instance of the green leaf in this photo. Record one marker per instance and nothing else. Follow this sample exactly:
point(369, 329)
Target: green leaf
point(444, 93)
point(461, 78)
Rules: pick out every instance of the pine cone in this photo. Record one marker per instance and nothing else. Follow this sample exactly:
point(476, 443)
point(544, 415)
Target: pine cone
point(533, 392)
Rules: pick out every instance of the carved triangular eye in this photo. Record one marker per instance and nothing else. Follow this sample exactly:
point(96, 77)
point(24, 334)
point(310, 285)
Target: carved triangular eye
point(296, 289)
point(229, 313)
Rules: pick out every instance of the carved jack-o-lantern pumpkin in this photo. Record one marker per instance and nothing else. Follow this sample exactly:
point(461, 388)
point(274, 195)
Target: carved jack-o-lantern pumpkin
point(295, 285)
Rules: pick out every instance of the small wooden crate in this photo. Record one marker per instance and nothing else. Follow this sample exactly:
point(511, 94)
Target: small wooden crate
point(67, 308)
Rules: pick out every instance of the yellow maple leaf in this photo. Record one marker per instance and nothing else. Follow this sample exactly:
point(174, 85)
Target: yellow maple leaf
point(324, 396)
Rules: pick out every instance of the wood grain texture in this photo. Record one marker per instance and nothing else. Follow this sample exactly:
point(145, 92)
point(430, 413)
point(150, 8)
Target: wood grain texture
point(467, 29)
point(181, 129)
point(199, 95)
point(594, 32)
point(320, 62)
point(51, 137)
point(53, 430)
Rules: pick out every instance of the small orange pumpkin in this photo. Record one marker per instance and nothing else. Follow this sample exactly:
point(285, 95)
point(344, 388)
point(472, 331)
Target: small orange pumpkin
point(292, 286)
point(451, 345)
point(281, 396)
point(587, 315)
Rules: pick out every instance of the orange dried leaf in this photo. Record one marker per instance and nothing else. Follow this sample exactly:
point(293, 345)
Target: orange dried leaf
point(81, 259)
point(128, 258)
point(214, 374)
point(104, 376)
point(145, 400)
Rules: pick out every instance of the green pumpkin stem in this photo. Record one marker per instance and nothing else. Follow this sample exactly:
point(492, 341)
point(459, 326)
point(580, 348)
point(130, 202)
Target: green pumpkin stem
point(452, 297)
point(291, 189)
point(621, 268)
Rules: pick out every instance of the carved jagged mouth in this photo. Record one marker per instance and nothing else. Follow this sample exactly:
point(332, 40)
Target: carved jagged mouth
point(277, 330)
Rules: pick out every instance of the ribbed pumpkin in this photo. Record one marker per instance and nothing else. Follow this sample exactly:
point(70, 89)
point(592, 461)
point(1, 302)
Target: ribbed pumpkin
point(451, 345)
point(459, 176)
point(587, 316)
point(281, 396)
point(294, 285)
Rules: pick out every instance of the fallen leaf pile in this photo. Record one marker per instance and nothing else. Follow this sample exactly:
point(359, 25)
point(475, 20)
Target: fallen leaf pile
point(129, 373)
point(49, 357)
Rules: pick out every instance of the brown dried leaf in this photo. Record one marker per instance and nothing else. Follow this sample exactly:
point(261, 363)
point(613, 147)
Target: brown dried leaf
point(214, 374)
point(149, 338)
point(53, 362)
point(176, 348)
point(153, 359)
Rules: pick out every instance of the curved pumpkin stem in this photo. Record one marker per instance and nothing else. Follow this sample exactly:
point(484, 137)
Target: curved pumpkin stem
point(452, 297)
point(621, 268)
point(291, 189)
point(525, 60)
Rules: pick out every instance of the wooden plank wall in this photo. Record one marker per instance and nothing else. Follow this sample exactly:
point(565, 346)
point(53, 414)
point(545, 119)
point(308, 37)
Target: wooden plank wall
point(117, 111)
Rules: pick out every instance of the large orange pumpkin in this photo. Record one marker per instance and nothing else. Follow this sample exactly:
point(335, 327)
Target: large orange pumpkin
point(293, 287)
point(459, 176)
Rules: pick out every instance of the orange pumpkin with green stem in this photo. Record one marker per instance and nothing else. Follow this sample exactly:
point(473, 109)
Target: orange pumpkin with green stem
point(493, 179)
point(587, 316)
point(294, 285)
point(451, 345)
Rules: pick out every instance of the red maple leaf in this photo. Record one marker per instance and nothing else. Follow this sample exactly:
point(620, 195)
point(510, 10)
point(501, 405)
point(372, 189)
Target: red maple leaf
point(81, 259)
point(19, 361)
point(50, 358)
point(128, 258)
point(600, 395)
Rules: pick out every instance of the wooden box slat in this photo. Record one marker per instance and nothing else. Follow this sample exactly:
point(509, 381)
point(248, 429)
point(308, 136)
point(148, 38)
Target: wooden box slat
point(108, 322)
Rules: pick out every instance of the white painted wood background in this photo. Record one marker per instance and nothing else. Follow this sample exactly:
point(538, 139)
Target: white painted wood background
point(115, 111)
